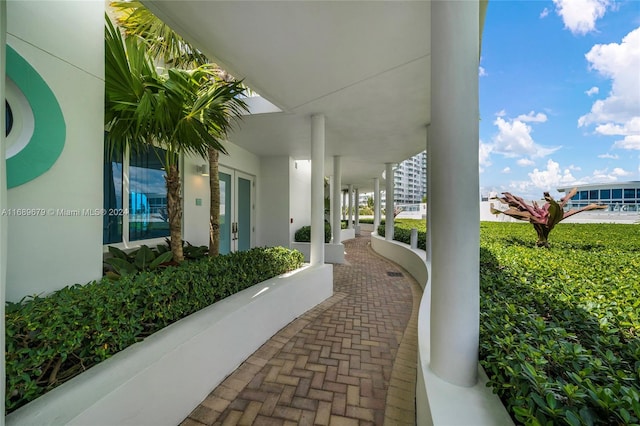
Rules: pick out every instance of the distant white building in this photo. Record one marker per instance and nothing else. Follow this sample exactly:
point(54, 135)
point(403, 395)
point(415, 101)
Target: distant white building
point(619, 196)
point(410, 180)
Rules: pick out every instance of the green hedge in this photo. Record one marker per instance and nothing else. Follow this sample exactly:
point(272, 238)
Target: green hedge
point(402, 233)
point(560, 327)
point(52, 339)
point(369, 220)
point(303, 235)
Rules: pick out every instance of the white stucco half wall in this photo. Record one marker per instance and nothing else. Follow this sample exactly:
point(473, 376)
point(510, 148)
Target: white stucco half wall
point(160, 380)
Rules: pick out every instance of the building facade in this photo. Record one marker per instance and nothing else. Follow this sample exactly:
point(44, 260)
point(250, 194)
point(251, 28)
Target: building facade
point(410, 180)
point(618, 196)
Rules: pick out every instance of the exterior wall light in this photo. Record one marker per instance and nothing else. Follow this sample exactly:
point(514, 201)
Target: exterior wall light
point(202, 170)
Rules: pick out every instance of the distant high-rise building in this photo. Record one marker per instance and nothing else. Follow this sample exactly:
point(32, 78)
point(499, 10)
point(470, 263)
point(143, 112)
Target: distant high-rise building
point(410, 180)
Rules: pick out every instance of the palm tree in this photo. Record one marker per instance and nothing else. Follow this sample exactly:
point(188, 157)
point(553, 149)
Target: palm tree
point(166, 45)
point(176, 111)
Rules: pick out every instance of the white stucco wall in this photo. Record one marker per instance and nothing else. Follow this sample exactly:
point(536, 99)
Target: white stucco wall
point(300, 195)
point(273, 201)
point(66, 250)
point(194, 187)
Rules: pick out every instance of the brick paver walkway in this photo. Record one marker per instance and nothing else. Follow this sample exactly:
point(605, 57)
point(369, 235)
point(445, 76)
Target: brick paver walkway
point(349, 361)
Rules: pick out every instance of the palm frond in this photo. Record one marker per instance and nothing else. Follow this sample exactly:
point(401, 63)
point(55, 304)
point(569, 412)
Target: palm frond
point(162, 42)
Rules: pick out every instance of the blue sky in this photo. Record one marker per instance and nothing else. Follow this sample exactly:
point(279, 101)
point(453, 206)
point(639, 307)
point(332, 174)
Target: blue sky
point(559, 95)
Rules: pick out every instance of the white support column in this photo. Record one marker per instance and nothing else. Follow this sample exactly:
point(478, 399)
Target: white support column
point(337, 194)
point(376, 203)
point(453, 150)
point(317, 190)
point(3, 191)
point(357, 204)
point(331, 207)
point(388, 205)
point(350, 207)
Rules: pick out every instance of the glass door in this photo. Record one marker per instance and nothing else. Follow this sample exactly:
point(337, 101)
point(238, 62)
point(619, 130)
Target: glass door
point(237, 208)
point(225, 212)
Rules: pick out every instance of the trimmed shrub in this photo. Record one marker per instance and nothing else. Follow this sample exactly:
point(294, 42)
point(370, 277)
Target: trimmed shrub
point(402, 233)
point(303, 235)
point(51, 339)
point(369, 220)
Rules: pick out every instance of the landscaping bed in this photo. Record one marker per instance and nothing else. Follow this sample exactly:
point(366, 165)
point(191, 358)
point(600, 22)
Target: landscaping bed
point(52, 339)
point(402, 231)
point(560, 327)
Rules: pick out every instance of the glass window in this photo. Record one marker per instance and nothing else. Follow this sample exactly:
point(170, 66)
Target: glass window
point(112, 198)
point(8, 117)
point(638, 193)
point(616, 193)
point(605, 194)
point(593, 194)
point(584, 195)
point(629, 193)
point(148, 216)
point(146, 194)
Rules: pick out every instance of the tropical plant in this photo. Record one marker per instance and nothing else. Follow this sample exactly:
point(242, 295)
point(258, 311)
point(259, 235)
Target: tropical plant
point(142, 259)
point(178, 111)
point(166, 45)
point(544, 218)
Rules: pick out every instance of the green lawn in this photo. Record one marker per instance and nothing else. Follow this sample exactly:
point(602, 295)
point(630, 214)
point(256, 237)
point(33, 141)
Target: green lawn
point(560, 327)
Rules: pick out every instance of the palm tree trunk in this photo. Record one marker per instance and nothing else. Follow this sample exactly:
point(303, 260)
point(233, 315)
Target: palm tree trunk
point(174, 210)
point(214, 212)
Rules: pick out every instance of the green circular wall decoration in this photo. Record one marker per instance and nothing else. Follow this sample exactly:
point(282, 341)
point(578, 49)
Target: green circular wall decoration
point(48, 132)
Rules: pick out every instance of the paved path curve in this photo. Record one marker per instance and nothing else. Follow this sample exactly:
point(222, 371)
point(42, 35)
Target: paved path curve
point(349, 361)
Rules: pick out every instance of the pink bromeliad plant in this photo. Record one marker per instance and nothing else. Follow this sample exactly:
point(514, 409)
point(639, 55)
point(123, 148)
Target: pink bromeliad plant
point(544, 218)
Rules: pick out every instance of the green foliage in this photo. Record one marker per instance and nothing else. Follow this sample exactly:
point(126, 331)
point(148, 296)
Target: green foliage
point(369, 220)
point(142, 259)
point(52, 339)
point(402, 231)
point(303, 235)
point(560, 328)
point(366, 211)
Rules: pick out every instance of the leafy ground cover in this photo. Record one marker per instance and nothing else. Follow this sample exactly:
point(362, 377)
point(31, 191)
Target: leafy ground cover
point(402, 231)
point(51, 339)
point(560, 328)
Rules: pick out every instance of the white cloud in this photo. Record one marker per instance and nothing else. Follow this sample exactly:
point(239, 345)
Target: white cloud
point(574, 168)
point(629, 142)
point(525, 162)
point(619, 113)
point(620, 172)
point(533, 117)
point(580, 16)
point(608, 176)
point(544, 13)
point(484, 155)
point(482, 72)
point(514, 137)
point(593, 91)
point(609, 156)
point(552, 177)
point(506, 170)
point(501, 113)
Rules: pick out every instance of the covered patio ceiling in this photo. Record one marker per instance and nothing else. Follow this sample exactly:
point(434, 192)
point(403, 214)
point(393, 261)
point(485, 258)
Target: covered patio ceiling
point(365, 65)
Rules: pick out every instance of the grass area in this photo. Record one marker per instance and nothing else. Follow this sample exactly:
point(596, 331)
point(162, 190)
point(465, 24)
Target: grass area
point(560, 327)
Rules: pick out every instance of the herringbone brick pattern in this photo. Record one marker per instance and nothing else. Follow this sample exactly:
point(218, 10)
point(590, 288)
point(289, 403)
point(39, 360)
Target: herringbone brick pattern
point(341, 363)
